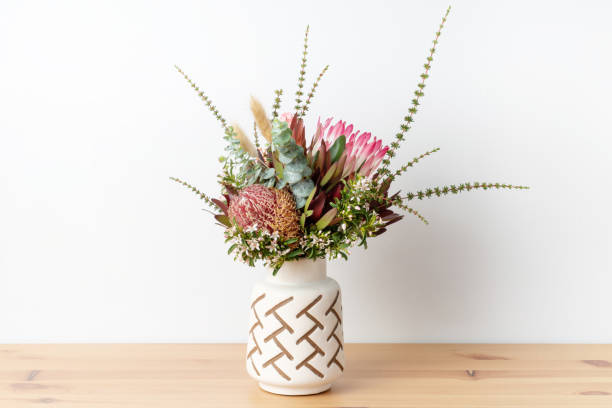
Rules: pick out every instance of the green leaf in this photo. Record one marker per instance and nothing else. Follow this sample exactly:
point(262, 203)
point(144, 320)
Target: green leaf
point(309, 199)
point(302, 188)
point(223, 219)
point(296, 166)
point(328, 175)
point(291, 176)
point(276, 269)
point(286, 155)
point(294, 253)
point(291, 241)
point(337, 148)
point(326, 219)
point(278, 166)
point(281, 134)
point(268, 173)
point(229, 251)
point(299, 202)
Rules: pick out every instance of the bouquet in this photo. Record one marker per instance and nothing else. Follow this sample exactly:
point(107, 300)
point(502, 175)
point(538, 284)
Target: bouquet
point(289, 193)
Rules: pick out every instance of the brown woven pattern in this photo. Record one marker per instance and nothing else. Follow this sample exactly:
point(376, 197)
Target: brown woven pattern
point(316, 349)
point(257, 323)
point(272, 336)
point(333, 334)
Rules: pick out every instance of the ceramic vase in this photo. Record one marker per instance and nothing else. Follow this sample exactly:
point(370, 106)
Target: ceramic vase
point(296, 343)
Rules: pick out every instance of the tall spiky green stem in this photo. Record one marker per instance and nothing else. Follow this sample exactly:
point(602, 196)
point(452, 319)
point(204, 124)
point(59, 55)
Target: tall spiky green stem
point(408, 119)
point(453, 189)
point(255, 135)
point(299, 93)
point(206, 100)
point(414, 161)
point(277, 101)
point(312, 91)
point(202, 196)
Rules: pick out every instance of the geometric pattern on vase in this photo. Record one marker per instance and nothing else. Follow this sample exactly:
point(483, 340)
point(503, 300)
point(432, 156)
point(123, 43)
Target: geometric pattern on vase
point(291, 339)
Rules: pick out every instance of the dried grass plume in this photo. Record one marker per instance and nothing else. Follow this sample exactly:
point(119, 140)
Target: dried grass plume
point(263, 123)
point(245, 142)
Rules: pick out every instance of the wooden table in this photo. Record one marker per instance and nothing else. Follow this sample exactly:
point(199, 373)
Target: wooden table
point(377, 375)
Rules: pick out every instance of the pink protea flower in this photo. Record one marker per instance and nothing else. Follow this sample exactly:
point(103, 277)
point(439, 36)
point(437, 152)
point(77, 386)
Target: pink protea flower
point(266, 208)
point(362, 155)
point(286, 117)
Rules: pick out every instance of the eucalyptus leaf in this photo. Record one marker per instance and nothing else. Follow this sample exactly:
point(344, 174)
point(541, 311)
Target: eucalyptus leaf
point(292, 177)
point(286, 155)
point(303, 188)
point(268, 173)
point(296, 166)
point(299, 202)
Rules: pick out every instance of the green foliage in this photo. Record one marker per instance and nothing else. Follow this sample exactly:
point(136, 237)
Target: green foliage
point(414, 161)
point(202, 196)
point(305, 107)
point(339, 212)
point(277, 101)
point(336, 150)
point(299, 93)
point(256, 135)
point(453, 189)
point(291, 165)
point(239, 168)
point(206, 100)
point(409, 118)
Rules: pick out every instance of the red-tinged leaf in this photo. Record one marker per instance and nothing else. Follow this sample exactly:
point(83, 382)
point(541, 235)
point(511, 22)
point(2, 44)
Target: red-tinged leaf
point(340, 166)
point(261, 158)
point(380, 231)
point(327, 218)
point(336, 192)
point(384, 187)
point(321, 158)
point(317, 206)
point(302, 136)
point(327, 161)
point(335, 221)
point(297, 128)
point(294, 121)
point(384, 213)
point(394, 196)
point(230, 189)
point(394, 220)
point(223, 219)
point(220, 204)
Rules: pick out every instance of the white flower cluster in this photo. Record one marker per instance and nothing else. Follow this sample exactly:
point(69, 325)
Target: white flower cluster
point(253, 243)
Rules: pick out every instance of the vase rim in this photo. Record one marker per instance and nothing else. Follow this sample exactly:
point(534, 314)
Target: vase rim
point(300, 271)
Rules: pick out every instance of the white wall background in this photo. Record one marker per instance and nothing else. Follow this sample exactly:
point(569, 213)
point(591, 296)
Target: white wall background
point(97, 245)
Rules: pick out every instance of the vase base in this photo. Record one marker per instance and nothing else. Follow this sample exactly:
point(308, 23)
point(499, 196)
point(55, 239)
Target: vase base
point(276, 389)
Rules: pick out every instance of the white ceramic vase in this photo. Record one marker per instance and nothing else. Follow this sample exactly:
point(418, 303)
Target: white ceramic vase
point(295, 342)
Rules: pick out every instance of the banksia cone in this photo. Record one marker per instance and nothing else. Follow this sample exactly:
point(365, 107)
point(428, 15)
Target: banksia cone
point(267, 208)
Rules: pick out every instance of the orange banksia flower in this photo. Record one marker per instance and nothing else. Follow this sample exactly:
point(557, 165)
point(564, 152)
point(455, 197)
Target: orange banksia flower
point(266, 208)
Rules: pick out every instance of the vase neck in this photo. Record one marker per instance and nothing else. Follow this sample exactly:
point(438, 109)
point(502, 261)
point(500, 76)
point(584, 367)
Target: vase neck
point(300, 271)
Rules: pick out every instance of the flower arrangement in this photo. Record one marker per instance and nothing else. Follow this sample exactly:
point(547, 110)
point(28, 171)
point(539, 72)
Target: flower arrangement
point(288, 196)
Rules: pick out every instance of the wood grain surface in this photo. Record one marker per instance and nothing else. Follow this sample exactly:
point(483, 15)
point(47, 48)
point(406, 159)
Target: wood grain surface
point(377, 375)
